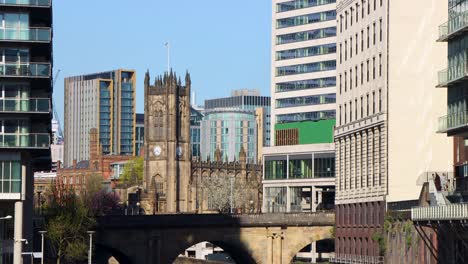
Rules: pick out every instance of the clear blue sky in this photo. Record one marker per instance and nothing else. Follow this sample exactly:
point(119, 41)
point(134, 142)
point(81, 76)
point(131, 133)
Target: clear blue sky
point(224, 44)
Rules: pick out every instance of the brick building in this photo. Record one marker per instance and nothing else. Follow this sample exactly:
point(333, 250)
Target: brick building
point(99, 164)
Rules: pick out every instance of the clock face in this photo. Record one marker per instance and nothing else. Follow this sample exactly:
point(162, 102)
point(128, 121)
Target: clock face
point(157, 150)
point(179, 151)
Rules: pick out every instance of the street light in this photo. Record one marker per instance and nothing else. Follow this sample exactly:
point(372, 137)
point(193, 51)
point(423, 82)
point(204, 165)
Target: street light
point(138, 208)
point(42, 245)
point(6, 217)
point(90, 252)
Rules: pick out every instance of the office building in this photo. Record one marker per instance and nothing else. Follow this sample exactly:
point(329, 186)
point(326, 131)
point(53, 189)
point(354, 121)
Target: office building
point(196, 116)
point(386, 109)
point(25, 115)
point(139, 133)
point(105, 101)
point(299, 167)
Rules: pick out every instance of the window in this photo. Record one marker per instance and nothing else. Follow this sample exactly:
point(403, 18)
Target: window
point(373, 68)
point(367, 70)
point(341, 53)
point(362, 8)
point(356, 76)
point(362, 107)
point(345, 114)
point(340, 83)
point(362, 73)
point(367, 100)
point(355, 109)
point(380, 65)
point(306, 19)
point(351, 17)
point(346, 50)
point(380, 31)
point(351, 47)
point(380, 100)
point(341, 24)
point(368, 7)
point(357, 41)
point(10, 176)
point(373, 102)
point(362, 40)
point(345, 81)
point(368, 37)
point(381, 2)
point(373, 28)
point(350, 111)
point(340, 115)
point(346, 20)
point(350, 79)
point(375, 4)
point(357, 12)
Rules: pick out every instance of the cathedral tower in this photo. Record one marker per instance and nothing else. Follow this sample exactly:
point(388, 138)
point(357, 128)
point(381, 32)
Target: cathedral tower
point(167, 144)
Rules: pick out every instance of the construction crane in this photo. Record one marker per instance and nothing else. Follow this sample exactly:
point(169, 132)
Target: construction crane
point(56, 116)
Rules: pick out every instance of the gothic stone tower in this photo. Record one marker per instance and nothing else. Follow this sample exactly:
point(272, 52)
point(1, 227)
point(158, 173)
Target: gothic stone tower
point(167, 144)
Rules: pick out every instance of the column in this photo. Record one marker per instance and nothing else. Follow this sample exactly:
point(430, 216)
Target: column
point(18, 226)
point(269, 249)
point(313, 252)
point(312, 200)
point(278, 250)
point(288, 199)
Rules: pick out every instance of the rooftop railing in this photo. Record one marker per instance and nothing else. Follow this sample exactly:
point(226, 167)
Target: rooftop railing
point(39, 3)
point(27, 140)
point(452, 121)
point(38, 105)
point(440, 213)
point(26, 34)
point(25, 70)
point(452, 26)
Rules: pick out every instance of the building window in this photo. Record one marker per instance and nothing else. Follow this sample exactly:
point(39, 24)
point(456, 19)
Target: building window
point(367, 100)
point(350, 79)
point(357, 12)
point(380, 100)
point(346, 50)
point(346, 20)
point(380, 65)
point(362, 8)
point(356, 76)
point(340, 115)
point(380, 31)
point(341, 53)
point(10, 173)
point(367, 70)
point(345, 114)
point(362, 73)
point(362, 40)
point(341, 24)
point(340, 83)
point(373, 102)
point(351, 16)
point(357, 42)
point(375, 4)
point(368, 37)
point(351, 47)
point(368, 7)
point(345, 81)
point(373, 68)
point(373, 28)
point(362, 106)
point(355, 109)
point(350, 111)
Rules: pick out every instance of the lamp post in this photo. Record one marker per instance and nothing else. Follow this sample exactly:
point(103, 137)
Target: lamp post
point(138, 208)
point(90, 252)
point(42, 245)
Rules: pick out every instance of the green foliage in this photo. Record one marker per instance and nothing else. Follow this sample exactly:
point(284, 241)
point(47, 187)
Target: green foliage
point(68, 220)
point(333, 231)
point(133, 172)
point(380, 239)
point(408, 231)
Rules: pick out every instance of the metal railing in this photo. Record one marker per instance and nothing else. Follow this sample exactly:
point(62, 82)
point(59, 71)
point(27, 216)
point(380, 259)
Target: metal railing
point(453, 25)
point(29, 140)
point(25, 69)
point(40, 105)
point(26, 34)
point(438, 213)
point(452, 74)
point(41, 3)
point(358, 259)
point(452, 121)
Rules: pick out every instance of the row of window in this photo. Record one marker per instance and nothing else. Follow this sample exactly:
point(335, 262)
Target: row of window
point(306, 19)
point(356, 42)
point(306, 84)
point(367, 161)
point(306, 52)
point(306, 35)
point(306, 100)
point(348, 109)
point(300, 168)
point(353, 13)
point(308, 116)
point(359, 74)
point(306, 68)
point(359, 214)
point(299, 4)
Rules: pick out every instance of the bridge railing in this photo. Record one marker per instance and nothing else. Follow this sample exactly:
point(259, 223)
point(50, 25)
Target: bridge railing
point(357, 259)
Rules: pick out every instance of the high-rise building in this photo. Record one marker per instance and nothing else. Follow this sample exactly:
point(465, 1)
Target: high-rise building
point(105, 101)
point(299, 168)
point(386, 109)
point(25, 114)
point(139, 133)
point(196, 116)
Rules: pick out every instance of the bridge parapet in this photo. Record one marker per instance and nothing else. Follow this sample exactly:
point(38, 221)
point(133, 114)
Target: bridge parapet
point(218, 220)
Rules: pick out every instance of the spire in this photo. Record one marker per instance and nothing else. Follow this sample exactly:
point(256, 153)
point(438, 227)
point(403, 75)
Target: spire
point(188, 82)
point(147, 78)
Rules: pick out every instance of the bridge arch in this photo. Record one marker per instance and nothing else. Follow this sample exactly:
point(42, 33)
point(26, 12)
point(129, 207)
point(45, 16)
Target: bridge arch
point(104, 253)
point(319, 246)
point(237, 251)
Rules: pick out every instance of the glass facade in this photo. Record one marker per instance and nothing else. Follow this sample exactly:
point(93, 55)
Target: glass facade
point(298, 4)
point(275, 199)
point(309, 116)
point(306, 68)
point(41, 3)
point(306, 35)
point(306, 84)
point(126, 113)
point(306, 19)
point(306, 52)
point(306, 100)
point(10, 176)
point(195, 132)
point(301, 166)
point(105, 116)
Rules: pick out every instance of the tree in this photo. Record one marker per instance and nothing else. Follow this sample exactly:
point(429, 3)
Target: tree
point(104, 203)
point(68, 220)
point(133, 172)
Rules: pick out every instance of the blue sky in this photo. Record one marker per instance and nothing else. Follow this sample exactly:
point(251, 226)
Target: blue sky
point(224, 44)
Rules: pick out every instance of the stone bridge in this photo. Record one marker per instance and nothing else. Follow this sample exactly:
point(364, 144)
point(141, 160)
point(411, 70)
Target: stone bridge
point(249, 239)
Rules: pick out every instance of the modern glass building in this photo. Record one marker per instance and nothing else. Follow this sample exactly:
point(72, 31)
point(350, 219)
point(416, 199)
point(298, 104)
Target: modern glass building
point(139, 133)
point(228, 131)
point(299, 168)
point(25, 115)
point(196, 117)
point(105, 101)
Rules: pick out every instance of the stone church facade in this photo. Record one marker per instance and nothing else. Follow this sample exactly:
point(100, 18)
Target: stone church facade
point(173, 183)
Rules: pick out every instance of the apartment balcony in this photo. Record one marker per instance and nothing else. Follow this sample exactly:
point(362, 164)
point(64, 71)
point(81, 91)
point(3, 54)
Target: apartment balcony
point(30, 105)
point(452, 75)
point(26, 35)
point(440, 213)
point(35, 3)
point(454, 27)
point(453, 121)
point(25, 141)
point(27, 70)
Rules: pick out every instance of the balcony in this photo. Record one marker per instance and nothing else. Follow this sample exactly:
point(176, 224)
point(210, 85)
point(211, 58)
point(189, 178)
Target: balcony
point(38, 70)
point(454, 27)
point(452, 121)
point(452, 75)
point(31, 105)
point(440, 213)
point(30, 140)
point(26, 35)
point(38, 3)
